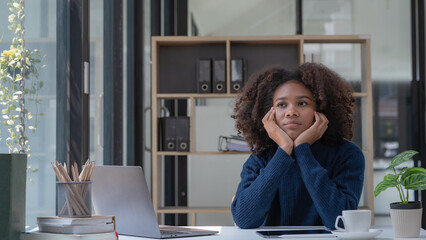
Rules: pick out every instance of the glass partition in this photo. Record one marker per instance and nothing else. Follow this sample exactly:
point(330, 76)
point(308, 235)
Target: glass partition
point(40, 33)
point(388, 24)
point(241, 17)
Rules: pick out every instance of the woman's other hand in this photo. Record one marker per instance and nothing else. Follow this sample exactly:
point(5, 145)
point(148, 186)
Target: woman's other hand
point(276, 133)
point(315, 132)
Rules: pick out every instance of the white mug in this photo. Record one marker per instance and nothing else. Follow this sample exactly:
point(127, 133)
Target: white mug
point(354, 220)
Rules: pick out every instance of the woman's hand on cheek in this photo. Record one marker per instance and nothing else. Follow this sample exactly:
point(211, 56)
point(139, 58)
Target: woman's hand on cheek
point(276, 133)
point(315, 132)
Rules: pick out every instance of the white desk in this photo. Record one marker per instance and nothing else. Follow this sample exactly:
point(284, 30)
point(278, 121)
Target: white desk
point(235, 233)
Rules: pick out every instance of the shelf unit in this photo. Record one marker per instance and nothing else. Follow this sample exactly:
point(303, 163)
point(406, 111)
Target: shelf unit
point(174, 65)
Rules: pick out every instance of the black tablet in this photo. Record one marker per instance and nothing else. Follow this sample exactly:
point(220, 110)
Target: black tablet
point(290, 233)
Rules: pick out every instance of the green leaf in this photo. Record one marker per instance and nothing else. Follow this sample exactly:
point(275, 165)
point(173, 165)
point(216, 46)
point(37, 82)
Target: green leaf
point(414, 178)
point(402, 157)
point(390, 180)
point(403, 170)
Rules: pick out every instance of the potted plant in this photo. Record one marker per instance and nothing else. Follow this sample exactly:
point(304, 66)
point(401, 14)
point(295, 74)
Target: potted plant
point(19, 85)
point(406, 215)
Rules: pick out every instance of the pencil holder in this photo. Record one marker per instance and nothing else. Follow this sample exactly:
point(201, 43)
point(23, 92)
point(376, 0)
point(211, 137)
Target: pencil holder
point(74, 199)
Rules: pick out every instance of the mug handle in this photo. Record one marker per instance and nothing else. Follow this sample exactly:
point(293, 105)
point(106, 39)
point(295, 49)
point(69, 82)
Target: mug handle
point(336, 225)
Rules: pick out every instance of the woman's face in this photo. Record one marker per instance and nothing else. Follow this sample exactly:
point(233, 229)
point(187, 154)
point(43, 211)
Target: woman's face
point(294, 108)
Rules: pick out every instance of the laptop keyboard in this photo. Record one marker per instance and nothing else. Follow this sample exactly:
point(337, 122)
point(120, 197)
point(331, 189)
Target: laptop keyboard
point(170, 232)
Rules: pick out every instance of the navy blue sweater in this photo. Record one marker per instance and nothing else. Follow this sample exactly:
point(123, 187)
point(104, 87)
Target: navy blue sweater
point(310, 187)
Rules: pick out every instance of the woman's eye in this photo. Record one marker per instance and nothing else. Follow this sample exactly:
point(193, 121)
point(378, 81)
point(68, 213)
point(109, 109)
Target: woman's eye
point(303, 103)
point(280, 105)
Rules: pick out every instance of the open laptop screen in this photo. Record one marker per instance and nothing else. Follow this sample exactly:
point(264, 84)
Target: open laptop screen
point(122, 191)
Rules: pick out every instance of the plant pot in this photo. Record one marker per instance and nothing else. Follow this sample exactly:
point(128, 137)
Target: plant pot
point(13, 172)
point(406, 219)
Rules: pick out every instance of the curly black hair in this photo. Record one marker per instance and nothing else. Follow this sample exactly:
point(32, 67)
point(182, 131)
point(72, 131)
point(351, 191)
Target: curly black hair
point(332, 95)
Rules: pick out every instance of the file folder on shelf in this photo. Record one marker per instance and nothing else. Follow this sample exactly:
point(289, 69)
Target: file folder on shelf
point(237, 75)
point(167, 134)
point(182, 133)
point(219, 76)
point(233, 143)
point(174, 133)
point(204, 75)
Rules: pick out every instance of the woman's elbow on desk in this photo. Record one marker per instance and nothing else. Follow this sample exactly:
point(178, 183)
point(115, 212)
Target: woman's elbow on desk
point(246, 225)
point(242, 220)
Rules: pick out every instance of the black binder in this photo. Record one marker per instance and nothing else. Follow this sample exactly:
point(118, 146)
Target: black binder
point(182, 133)
point(237, 75)
point(168, 134)
point(204, 75)
point(219, 76)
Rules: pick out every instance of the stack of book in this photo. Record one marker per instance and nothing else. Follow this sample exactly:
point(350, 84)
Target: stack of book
point(233, 143)
point(95, 227)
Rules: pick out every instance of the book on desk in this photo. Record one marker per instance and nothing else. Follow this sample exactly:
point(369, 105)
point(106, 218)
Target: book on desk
point(94, 224)
point(36, 235)
point(95, 227)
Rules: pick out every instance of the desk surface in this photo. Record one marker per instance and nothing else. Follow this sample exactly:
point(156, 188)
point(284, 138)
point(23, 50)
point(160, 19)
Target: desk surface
point(228, 233)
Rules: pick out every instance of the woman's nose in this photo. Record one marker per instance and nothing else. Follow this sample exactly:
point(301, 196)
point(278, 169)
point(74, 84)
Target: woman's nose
point(291, 112)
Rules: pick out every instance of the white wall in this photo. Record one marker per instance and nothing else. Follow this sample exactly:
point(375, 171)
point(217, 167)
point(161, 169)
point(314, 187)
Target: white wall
point(213, 179)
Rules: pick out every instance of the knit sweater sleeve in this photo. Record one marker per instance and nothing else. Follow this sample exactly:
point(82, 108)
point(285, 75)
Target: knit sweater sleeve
point(258, 187)
point(332, 193)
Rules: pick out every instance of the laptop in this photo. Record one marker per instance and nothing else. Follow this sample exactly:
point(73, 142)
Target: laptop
point(122, 191)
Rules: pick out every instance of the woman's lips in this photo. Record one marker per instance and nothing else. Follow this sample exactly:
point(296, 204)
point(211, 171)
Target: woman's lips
point(292, 124)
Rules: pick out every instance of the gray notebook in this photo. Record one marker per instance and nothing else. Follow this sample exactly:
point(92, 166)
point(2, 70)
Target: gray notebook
point(122, 191)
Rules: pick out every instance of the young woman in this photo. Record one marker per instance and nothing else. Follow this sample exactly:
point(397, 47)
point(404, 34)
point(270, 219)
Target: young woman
point(303, 170)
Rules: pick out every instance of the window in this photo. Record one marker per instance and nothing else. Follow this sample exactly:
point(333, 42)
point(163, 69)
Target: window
point(40, 26)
